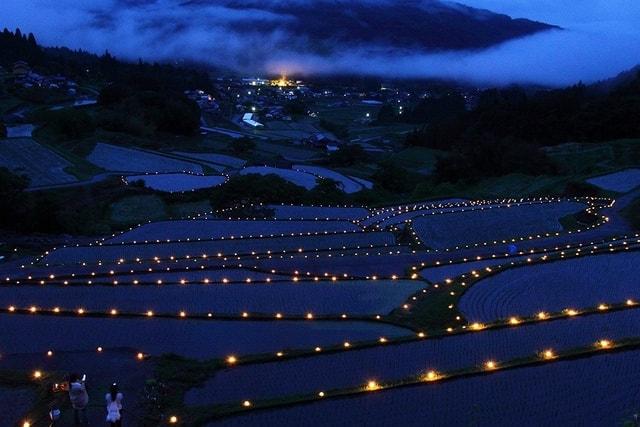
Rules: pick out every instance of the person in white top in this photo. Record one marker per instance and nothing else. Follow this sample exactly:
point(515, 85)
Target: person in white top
point(114, 406)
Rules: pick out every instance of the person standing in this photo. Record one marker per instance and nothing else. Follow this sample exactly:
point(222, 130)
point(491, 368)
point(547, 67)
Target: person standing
point(114, 406)
point(79, 399)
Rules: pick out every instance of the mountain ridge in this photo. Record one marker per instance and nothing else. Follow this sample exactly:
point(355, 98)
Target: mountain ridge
point(421, 25)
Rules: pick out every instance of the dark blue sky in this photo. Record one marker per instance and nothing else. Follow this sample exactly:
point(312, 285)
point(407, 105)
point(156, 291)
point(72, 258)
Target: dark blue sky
point(599, 40)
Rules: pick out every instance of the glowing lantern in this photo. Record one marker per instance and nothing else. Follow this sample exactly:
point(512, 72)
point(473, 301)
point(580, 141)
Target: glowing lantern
point(604, 343)
point(431, 376)
point(477, 326)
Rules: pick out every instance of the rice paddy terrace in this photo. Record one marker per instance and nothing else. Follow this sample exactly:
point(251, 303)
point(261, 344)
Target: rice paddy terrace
point(484, 312)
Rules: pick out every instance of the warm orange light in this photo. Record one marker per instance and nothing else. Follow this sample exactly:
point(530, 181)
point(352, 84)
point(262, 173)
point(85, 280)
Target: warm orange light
point(231, 360)
point(173, 419)
point(548, 354)
point(372, 385)
point(140, 356)
point(246, 403)
point(37, 374)
point(604, 343)
point(490, 364)
point(431, 376)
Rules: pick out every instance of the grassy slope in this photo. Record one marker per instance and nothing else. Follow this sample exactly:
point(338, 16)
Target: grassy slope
point(632, 214)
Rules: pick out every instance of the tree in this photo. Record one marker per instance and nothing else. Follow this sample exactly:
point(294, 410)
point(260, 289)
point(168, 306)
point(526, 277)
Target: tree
point(296, 107)
point(348, 155)
point(490, 157)
point(14, 198)
point(327, 191)
point(392, 177)
point(243, 145)
point(387, 114)
point(253, 188)
point(71, 123)
point(432, 109)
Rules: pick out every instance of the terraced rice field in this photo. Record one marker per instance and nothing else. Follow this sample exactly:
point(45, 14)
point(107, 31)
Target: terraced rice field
point(580, 282)
point(621, 182)
point(112, 253)
point(320, 301)
point(347, 184)
point(317, 212)
point(377, 216)
point(121, 159)
point(552, 394)
point(216, 229)
point(178, 182)
point(302, 179)
point(198, 339)
point(295, 298)
point(215, 159)
point(20, 131)
point(440, 273)
point(355, 368)
point(21, 400)
point(490, 224)
point(24, 156)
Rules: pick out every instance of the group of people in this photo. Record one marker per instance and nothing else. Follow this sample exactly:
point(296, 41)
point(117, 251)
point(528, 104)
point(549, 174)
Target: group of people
point(80, 401)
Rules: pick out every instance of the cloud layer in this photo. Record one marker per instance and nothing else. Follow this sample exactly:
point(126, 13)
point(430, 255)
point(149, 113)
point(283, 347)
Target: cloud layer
point(599, 38)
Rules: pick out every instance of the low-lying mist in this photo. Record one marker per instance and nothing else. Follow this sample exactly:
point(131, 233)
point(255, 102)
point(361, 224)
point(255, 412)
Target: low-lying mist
point(598, 39)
